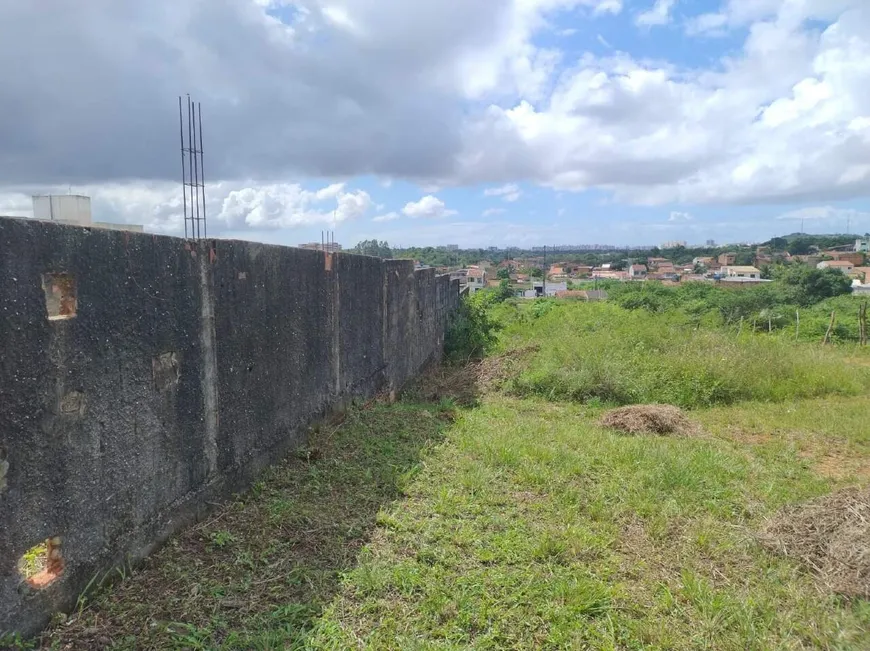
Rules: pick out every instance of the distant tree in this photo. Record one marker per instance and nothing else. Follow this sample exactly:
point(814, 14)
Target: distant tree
point(536, 272)
point(807, 286)
point(800, 246)
point(373, 248)
point(744, 257)
point(778, 244)
point(503, 274)
point(503, 291)
point(620, 265)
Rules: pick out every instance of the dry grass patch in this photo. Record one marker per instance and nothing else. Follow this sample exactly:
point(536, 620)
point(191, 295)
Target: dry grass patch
point(650, 419)
point(831, 535)
point(464, 383)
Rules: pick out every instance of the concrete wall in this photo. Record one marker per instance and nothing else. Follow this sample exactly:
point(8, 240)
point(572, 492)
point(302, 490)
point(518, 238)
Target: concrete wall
point(185, 369)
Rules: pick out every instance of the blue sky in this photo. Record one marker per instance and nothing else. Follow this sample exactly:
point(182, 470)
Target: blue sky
point(526, 122)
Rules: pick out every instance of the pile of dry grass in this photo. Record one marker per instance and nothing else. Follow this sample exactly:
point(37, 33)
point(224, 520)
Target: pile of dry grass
point(831, 535)
point(649, 419)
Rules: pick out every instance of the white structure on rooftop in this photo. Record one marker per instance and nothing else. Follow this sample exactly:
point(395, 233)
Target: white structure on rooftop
point(72, 209)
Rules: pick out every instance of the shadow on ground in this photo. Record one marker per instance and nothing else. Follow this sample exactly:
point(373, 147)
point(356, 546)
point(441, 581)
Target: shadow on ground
point(258, 572)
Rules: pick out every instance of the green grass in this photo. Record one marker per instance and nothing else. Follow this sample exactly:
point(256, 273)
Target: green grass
point(518, 522)
point(600, 352)
point(258, 572)
point(533, 528)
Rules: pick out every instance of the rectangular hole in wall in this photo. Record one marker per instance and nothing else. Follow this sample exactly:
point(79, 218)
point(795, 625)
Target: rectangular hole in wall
point(42, 564)
point(60, 295)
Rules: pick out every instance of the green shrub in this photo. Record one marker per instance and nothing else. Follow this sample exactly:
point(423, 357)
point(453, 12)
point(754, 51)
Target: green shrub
point(472, 329)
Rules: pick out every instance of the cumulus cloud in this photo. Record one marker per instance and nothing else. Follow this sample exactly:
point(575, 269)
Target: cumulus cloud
point(229, 206)
point(680, 217)
point(284, 205)
point(429, 207)
point(388, 217)
point(780, 121)
point(332, 90)
point(658, 14)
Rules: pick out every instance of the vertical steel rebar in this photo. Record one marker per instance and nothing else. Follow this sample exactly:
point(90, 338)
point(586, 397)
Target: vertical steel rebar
point(183, 171)
point(195, 169)
point(202, 171)
point(190, 168)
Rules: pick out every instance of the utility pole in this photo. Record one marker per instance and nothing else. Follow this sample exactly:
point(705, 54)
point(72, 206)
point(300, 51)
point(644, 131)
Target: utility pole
point(545, 272)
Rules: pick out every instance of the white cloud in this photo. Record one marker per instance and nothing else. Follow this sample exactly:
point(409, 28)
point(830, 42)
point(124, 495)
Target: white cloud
point(339, 17)
point(390, 216)
point(482, 100)
point(429, 207)
point(158, 206)
point(680, 217)
point(712, 24)
point(489, 212)
point(509, 192)
point(825, 213)
point(658, 14)
point(783, 120)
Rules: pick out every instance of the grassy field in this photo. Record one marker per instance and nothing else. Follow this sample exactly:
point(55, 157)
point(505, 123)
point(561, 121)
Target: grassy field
point(498, 521)
point(600, 352)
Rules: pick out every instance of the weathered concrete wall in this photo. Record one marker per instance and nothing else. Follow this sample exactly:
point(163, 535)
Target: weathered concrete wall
point(185, 370)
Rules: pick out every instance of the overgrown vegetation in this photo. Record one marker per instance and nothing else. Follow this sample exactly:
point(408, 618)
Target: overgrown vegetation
point(472, 330)
point(798, 304)
point(607, 354)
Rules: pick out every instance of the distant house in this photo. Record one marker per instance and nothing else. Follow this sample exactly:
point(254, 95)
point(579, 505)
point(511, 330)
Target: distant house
point(727, 259)
point(740, 272)
point(655, 262)
point(637, 271)
point(840, 265)
point(862, 273)
point(811, 260)
point(856, 259)
point(703, 261)
point(861, 290)
point(475, 279)
point(862, 245)
point(552, 289)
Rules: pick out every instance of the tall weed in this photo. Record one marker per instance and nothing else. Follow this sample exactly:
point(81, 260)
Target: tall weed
point(603, 353)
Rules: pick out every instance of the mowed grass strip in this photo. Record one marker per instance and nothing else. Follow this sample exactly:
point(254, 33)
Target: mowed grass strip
point(257, 573)
point(531, 527)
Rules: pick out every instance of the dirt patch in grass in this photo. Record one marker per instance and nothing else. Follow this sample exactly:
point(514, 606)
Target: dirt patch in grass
point(836, 460)
point(465, 383)
point(831, 536)
point(650, 419)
